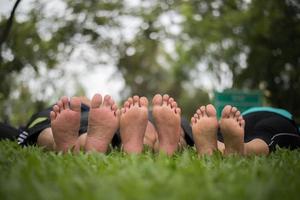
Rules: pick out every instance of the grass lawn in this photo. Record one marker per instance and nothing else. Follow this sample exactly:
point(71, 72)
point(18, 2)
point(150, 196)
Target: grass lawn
point(31, 173)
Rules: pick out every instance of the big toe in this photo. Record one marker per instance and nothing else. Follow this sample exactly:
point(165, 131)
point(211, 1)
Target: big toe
point(211, 110)
point(157, 100)
point(96, 101)
point(226, 111)
point(75, 104)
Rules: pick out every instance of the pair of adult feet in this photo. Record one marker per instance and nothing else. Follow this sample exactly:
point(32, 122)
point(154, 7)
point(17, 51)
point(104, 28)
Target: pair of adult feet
point(105, 118)
point(205, 127)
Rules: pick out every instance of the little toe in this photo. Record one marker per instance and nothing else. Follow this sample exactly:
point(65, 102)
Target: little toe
point(52, 115)
point(242, 123)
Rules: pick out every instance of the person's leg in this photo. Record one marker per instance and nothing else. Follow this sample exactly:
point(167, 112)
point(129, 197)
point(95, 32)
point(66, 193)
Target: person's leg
point(65, 123)
point(166, 116)
point(8, 132)
point(205, 128)
point(133, 124)
point(151, 137)
point(46, 140)
point(103, 122)
point(256, 147)
point(232, 127)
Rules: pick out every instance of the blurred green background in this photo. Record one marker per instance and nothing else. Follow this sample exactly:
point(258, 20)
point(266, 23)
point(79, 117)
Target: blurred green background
point(188, 49)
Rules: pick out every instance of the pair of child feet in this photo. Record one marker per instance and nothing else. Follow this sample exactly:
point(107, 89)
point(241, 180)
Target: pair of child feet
point(105, 118)
point(205, 127)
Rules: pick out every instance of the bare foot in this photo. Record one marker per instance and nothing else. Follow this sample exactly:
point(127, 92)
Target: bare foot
point(65, 123)
point(103, 123)
point(232, 127)
point(166, 116)
point(205, 128)
point(133, 123)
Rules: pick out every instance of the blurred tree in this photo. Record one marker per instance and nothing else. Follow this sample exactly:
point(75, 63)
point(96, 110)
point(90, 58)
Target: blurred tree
point(148, 68)
point(256, 40)
point(44, 37)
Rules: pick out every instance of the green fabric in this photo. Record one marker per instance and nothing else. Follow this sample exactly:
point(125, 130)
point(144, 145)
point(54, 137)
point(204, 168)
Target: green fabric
point(37, 120)
point(279, 111)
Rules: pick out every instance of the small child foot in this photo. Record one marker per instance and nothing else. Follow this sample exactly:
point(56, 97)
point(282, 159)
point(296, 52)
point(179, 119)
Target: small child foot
point(232, 127)
point(205, 128)
point(103, 123)
point(65, 123)
point(166, 116)
point(133, 123)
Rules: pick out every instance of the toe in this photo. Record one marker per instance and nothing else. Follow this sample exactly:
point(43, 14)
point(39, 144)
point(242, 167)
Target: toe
point(174, 104)
point(226, 111)
point(157, 100)
point(75, 104)
point(178, 111)
point(130, 102)
point(96, 101)
point(242, 123)
point(126, 104)
point(114, 107)
point(143, 102)
point(60, 105)
point(165, 99)
point(211, 111)
point(65, 101)
point(136, 100)
point(111, 103)
point(193, 120)
point(199, 113)
point(52, 115)
point(237, 115)
point(170, 102)
point(203, 112)
point(233, 111)
point(106, 101)
point(56, 109)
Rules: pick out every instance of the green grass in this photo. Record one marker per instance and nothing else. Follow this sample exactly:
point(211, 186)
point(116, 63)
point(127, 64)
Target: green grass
point(31, 173)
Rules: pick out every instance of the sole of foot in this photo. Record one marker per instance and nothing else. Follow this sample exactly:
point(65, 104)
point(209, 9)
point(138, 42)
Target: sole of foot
point(65, 123)
point(205, 128)
point(133, 123)
point(103, 123)
point(232, 127)
point(167, 118)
